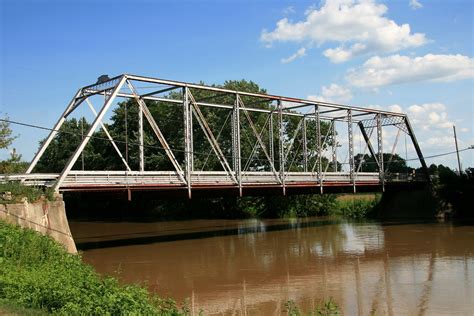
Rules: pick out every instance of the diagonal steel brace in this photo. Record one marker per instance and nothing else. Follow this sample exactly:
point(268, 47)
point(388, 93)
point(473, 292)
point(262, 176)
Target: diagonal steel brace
point(157, 132)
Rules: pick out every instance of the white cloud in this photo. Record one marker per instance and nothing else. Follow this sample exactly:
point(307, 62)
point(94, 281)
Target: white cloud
point(300, 53)
point(358, 26)
point(289, 10)
point(396, 69)
point(395, 108)
point(414, 4)
point(429, 116)
point(334, 93)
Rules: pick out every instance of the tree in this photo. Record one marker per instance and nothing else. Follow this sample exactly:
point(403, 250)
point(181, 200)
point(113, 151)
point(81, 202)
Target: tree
point(13, 164)
point(100, 155)
point(6, 137)
point(392, 163)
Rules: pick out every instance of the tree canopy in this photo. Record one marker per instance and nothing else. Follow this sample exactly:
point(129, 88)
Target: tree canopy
point(99, 154)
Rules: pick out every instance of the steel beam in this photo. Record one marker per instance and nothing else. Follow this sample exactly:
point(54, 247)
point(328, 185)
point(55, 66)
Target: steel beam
point(258, 95)
point(236, 143)
point(188, 155)
point(52, 133)
point(281, 149)
point(319, 149)
point(141, 148)
point(91, 130)
point(417, 148)
point(334, 147)
point(158, 133)
point(210, 137)
point(104, 128)
point(380, 150)
point(351, 148)
point(305, 147)
point(259, 139)
point(368, 143)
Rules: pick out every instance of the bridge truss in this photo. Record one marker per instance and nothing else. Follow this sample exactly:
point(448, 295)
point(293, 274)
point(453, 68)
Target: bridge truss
point(304, 155)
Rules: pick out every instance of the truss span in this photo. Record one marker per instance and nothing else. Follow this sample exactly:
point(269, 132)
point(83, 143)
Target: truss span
point(272, 141)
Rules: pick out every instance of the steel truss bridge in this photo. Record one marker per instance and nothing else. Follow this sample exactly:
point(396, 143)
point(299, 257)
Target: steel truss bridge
point(315, 169)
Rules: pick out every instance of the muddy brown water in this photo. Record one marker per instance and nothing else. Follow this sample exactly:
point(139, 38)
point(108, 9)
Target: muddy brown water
point(253, 267)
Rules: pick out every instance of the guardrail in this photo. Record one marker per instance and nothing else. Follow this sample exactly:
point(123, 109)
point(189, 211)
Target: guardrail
point(77, 179)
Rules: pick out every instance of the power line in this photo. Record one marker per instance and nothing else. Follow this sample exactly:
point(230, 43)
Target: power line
point(106, 139)
point(181, 150)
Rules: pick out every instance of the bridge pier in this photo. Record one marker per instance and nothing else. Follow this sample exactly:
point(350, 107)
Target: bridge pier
point(46, 217)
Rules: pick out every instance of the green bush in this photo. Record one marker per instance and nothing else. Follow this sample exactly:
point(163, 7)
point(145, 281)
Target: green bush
point(20, 191)
point(356, 208)
point(36, 272)
point(327, 308)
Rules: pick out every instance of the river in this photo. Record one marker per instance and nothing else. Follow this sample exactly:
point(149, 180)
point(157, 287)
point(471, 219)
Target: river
point(253, 267)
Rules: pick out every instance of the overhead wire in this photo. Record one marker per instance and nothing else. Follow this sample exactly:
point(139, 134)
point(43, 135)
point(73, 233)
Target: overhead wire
point(182, 150)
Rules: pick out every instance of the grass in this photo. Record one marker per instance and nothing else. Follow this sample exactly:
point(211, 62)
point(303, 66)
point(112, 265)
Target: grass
point(327, 308)
point(38, 275)
point(20, 191)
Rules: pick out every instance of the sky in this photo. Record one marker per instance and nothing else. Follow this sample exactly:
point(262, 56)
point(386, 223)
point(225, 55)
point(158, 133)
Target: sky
point(412, 56)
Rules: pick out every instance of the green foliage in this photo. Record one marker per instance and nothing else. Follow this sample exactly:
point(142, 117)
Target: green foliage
point(327, 308)
point(63, 146)
point(393, 163)
point(6, 137)
point(299, 205)
point(100, 155)
point(36, 272)
point(19, 191)
point(356, 207)
point(13, 164)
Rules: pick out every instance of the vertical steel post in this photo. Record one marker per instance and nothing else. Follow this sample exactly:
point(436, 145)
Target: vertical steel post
point(334, 147)
point(141, 149)
point(351, 149)
point(280, 147)
point(380, 150)
point(236, 146)
point(270, 135)
point(319, 148)
point(187, 140)
point(305, 146)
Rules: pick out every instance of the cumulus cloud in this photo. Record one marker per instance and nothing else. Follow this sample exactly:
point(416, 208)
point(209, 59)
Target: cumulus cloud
point(396, 69)
point(429, 116)
point(333, 93)
point(357, 26)
point(299, 53)
point(414, 4)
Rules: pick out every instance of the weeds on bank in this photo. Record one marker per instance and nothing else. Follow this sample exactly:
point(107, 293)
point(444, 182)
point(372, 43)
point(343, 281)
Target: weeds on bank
point(356, 208)
point(328, 308)
point(37, 273)
point(19, 191)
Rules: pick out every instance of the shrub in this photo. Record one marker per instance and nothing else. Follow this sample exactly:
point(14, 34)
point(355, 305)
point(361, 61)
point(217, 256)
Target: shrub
point(36, 272)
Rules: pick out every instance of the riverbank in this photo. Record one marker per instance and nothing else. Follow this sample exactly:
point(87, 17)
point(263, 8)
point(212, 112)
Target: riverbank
point(38, 277)
point(36, 273)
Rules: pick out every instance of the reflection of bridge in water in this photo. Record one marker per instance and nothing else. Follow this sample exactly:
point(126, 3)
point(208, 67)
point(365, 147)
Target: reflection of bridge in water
point(291, 144)
point(366, 267)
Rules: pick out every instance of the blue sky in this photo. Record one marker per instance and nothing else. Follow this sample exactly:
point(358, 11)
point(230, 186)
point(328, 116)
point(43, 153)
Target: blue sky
point(407, 55)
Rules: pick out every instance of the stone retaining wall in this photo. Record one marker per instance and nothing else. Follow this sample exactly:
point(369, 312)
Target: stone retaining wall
point(46, 217)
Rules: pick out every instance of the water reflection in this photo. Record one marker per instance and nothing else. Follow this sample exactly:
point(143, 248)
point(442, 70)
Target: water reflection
point(255, 266)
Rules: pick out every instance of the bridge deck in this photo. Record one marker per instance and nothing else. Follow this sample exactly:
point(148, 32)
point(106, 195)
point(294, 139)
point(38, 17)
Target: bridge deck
point(170, 180)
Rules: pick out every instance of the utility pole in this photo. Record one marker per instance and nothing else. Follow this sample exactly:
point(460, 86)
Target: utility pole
point(457, 150)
